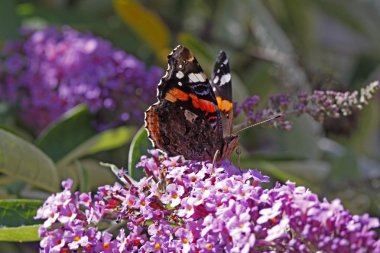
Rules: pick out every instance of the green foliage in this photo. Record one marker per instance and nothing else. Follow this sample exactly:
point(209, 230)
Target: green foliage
point(20, 234)
point(16, 220)
point(24, 161)
point(67, 133)
point(9, 21)
point(103, 141)
point(139, 146)
point(146, 23)
point(18, 212)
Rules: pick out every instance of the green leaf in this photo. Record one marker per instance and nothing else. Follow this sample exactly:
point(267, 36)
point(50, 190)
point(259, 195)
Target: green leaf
point(72, 129)
point(139, 146)
point(24, 161)
point(147, 24)
point(106, 140)
point(84, 179)
point(111, 139)
point(18, 212)
point(20, 234)
point(91, 174)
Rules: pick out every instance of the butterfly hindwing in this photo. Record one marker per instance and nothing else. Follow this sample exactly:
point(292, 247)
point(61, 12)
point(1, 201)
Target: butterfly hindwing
point(222, 86)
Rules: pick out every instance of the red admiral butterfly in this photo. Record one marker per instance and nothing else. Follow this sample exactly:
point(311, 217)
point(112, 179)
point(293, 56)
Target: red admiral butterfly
point(193, 116)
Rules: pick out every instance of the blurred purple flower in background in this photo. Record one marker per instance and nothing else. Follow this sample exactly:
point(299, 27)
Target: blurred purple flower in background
point(320, 104)
point(51, 70)
point(199, 207)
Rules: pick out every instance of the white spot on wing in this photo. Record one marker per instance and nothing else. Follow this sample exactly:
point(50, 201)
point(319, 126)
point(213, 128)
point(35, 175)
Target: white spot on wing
point(197, 77)
point(202, 77)
point(225, 61)
point(225, 79)
point(216, 79)
point(179, 75)
point(179, 83)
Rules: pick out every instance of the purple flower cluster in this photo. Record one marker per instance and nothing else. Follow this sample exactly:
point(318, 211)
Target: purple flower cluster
point(319, 104)
point(49, 71)
point(188, 206)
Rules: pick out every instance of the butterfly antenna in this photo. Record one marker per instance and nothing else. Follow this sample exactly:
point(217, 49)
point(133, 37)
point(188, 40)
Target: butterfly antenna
point(256, 124)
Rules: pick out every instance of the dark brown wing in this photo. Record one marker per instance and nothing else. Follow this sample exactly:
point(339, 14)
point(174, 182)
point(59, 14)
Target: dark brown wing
point(186, 119)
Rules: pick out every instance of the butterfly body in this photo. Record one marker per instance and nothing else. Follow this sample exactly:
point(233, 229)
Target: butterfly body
point(193, 116)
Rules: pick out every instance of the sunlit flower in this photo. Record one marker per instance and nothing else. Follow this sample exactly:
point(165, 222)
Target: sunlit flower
point(221, 210)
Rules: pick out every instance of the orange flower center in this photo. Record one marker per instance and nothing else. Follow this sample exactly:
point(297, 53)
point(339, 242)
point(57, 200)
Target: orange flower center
point(157, 246)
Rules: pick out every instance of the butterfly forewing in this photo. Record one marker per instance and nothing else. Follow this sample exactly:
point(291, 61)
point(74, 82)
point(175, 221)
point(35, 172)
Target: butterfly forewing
point(186, 84)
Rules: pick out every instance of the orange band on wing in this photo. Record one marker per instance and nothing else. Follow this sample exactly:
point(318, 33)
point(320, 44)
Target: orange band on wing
point(173, 94)
point(224, 105)
point(202, 104)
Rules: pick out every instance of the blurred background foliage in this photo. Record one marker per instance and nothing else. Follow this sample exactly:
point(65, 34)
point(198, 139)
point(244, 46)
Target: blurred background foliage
point(274, 46)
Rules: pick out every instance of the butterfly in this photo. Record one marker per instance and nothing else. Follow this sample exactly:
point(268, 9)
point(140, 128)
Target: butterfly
point(193, 115)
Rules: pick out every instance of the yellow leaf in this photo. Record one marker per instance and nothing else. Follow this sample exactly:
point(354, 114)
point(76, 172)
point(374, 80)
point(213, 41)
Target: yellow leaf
point(147, 24)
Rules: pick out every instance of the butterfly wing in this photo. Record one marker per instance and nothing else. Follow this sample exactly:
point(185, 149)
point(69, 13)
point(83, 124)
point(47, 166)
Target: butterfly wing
point(185, 84)
point(186, 119)
point(222, 86)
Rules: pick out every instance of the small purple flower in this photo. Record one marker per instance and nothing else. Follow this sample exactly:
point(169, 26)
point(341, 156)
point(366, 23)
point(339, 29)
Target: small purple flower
point(218, 211)
point(319, 104)
point(270, 213)
point(173, 195)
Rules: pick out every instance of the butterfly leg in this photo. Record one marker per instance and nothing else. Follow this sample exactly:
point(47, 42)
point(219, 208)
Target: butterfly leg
point(216, 155)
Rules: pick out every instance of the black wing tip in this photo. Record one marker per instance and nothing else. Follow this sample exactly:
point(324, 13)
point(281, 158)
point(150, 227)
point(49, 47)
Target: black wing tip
point(222, 54)
point(221, 63)
point(222, 57)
